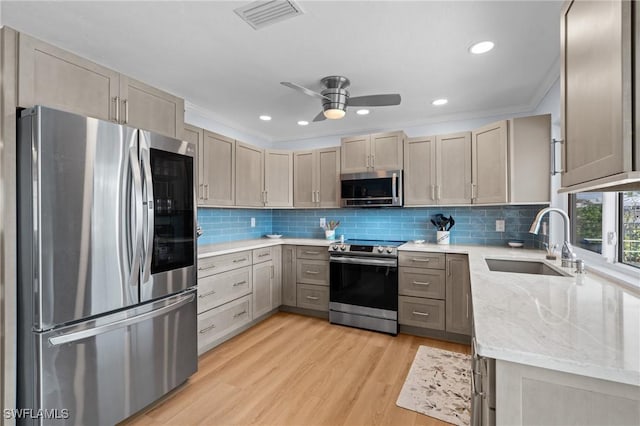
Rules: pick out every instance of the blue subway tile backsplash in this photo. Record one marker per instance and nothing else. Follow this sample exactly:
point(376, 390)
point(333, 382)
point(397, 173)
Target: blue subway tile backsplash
point(474, 225)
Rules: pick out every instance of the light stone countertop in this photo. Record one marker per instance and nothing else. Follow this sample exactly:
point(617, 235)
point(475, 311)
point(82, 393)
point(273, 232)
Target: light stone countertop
point(583, 324)
point(241, 245)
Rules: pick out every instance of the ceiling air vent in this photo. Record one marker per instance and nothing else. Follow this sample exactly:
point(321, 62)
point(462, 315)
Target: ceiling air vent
point(260, 14)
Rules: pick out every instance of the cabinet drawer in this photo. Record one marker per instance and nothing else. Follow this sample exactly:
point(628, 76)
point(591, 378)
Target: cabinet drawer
point(421, 282)
point(421, 260)
point(419, 312)
point(312, 272)
point(313, 297)
point(312, 252)
point(226, 262)
point(222, 320)
point(215, 290)
point(262, 255)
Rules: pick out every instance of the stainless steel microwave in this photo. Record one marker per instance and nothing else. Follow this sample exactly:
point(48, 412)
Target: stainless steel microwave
point(371, 189)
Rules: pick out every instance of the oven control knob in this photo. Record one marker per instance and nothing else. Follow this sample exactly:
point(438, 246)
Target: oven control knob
point(380, 249)
point(343, 247)
point(389, 250)
point(335, 247)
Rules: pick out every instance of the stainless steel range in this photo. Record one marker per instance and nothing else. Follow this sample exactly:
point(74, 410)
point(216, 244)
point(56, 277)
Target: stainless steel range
point(364, 284)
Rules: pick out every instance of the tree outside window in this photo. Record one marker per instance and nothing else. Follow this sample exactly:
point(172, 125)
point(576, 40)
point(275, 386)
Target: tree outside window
point(630, 228)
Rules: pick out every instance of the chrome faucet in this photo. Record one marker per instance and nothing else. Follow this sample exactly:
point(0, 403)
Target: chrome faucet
point(568, 256)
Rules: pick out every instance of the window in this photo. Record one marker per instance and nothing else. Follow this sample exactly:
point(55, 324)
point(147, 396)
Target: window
point(586, 214)
point(630, 228)
point(607, 223)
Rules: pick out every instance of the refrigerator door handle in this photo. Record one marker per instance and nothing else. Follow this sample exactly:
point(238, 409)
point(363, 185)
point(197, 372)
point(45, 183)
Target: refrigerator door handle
point(146, 164)
point(91, 332)
point(137, 190)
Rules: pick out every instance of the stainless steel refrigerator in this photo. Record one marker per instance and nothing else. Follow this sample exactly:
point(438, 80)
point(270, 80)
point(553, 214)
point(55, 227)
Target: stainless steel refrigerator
point(107, 268)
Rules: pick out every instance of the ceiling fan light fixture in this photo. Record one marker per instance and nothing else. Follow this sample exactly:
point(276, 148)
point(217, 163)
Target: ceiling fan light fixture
point(334, 113)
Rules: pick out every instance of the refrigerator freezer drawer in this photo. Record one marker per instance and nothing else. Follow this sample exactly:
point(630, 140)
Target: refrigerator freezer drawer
point(104, 373)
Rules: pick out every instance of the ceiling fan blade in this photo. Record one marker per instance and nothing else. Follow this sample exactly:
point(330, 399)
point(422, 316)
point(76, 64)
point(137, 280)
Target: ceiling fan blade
point(375, 100)
point(320, 117)
point(303, 90)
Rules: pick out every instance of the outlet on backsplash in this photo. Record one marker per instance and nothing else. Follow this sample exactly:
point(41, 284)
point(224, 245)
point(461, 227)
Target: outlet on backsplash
point(323, 222)
point(253, 222)
point(500, 225)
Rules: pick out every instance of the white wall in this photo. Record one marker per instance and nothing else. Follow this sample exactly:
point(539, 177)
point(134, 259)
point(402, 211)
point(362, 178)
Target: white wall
point(550, 104)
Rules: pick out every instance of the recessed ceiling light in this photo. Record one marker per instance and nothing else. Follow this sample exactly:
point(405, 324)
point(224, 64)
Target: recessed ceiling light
point(362, 112)
point(439, 102)
point(302, 123)
point(481, 47)
point(265, 117)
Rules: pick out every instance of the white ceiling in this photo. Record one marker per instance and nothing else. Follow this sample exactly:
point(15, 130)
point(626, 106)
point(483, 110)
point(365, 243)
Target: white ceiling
point(203, 52)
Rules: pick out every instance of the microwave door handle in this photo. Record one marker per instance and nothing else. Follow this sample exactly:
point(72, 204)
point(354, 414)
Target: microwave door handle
point(146, 164)
point(394, 189)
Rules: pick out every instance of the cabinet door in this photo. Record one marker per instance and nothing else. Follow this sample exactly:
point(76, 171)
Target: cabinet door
point(218, 170)
point(262, 280)
point(249, 175)
point(55, 78)
point(289, 297)
point(303, 178)
point(195, 135)
point(419, 171)
point(356, 154)
point(453, 168)
point(278, 178)
point(151, 109)
point(458, 295)
point(596, 78)
point(386, 151)
point(489, 164)
point(328, 177)
point(276, 282)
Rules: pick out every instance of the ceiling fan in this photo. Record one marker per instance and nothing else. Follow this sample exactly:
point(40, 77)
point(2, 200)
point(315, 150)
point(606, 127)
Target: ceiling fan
point(336, 99)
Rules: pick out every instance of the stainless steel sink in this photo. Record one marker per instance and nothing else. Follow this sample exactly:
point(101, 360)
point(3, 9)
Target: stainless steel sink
point(534, 267)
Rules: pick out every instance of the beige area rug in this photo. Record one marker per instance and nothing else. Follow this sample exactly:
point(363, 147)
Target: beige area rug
point(439, 385)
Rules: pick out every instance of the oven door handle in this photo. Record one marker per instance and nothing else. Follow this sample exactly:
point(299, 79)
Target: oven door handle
point(364, 261)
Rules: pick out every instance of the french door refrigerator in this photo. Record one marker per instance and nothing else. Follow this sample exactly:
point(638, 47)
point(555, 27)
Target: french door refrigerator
point(107, 268)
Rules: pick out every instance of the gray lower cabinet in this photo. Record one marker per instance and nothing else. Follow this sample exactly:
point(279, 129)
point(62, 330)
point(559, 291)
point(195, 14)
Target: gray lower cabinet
point(313, 297)
point(305, 277)
point(434, 292)
point(263, 275)
point(276, 284)
point(421, 312)
point(458, 295)
point(215, 324)
point(289, 297)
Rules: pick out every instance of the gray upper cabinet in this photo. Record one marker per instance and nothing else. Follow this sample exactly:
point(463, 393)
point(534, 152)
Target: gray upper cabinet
point(356, 154)
point(420, 171)
point(316, 176)
point(249, 175)
point(489, 164)
point(453, 168)
point(148, 108)
point(195, 135)
point(56, 78)
point(597, 91)
point(217, 157)
point(278, 178)
point(458, 295)
point(380, 151)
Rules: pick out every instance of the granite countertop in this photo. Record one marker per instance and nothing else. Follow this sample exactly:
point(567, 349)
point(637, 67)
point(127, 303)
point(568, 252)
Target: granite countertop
point(583, 324)
point(236, 246)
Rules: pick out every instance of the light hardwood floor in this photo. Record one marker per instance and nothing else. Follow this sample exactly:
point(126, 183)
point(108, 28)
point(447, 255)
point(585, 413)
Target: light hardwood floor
point(298, 370)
